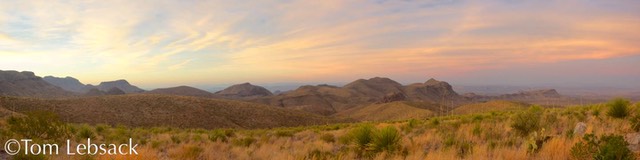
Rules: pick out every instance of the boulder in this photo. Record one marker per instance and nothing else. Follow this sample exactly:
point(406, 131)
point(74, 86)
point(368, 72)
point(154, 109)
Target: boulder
point(580, 129)
point(634, 141)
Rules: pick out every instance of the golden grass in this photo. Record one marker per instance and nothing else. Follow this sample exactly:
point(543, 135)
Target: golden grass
point(490, 106)
point(489, 135)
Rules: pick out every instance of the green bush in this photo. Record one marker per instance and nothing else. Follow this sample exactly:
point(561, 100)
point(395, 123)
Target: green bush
point(40, 125)
point(368, 141)
point(220, 134)
point(477, 130)
point(607, 147)
point(101, 128)
point(527, 121)
point(328, 137)
point(85, 132)
point(410, 125)
point(361, 136)
point(284, 133)
point(385, 139)
point(618, 108)
point(175, 139)
point(614, 147)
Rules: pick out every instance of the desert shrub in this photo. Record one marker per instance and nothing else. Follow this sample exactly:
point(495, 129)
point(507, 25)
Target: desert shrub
point(244, 142)
point(119, 135)
point(38, 125)
point(606, 147)
point(328, 137)
point(284, 133)
point(613, 147)
point(435, 121)
point(220, 135)
point(412, 123)
point(477, 130)
point(580, 116)
point(551, 118)
point(527, 121)
point(618, 108)
point(85, 132)
point(385, 139)
point(449, 141)
point(101, 128)
point(175, 139)
point(156, 144)
point(595, 112)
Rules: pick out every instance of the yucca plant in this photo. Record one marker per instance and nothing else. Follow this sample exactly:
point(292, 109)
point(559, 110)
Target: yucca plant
point(618, 108)
point(385, 139)
point(361, 136)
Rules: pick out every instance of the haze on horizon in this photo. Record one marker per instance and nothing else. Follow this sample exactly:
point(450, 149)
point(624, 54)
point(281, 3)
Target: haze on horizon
point(169, 43)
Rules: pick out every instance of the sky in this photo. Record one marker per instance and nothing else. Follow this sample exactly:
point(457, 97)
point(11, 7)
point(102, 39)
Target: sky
point(196, 42)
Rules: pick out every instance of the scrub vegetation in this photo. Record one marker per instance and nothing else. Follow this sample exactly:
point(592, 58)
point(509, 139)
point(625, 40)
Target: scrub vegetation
point(532, 132)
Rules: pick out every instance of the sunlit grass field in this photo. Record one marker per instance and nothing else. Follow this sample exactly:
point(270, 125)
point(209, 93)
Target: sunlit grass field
point(529, 133)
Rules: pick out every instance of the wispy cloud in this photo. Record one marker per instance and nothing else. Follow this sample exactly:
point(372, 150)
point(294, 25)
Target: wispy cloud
point(307, 40)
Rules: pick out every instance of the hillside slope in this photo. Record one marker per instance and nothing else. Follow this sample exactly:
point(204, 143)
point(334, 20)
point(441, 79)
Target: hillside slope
point(146, 110)
point(490, 106)
point(27, 84)
point(398, 110)
point(182, 91)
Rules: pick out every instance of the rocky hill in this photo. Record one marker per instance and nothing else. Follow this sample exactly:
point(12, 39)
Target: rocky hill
point(182, 91)
point(244, 90)
point(328, 100)
point(120, 84)
point(14, 83)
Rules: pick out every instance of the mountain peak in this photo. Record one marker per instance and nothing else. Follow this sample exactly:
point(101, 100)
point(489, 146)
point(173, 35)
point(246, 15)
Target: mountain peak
point(121, 84)
point(432, 81)
point(182, 91)
point(244, 90)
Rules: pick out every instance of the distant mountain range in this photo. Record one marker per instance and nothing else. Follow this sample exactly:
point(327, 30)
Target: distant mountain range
point(74, 85)
point(14, 83)
point(327, 100)
point(374, 99)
